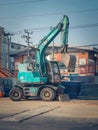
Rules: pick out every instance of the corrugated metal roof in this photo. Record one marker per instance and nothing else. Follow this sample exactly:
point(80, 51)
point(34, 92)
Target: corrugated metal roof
point(21, 51)
point(70, 49)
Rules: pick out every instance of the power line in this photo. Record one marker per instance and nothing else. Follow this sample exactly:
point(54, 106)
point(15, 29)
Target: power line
point(84, 26)
point(32, 1)
point(47, 14)
point(18, 2)
point(48, 28)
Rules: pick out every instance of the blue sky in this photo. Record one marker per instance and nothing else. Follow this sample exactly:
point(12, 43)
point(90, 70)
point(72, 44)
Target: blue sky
point(17, 15)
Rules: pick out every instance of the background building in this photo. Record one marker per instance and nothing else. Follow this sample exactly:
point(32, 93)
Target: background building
point(6, 47)
point(12, 54)
point(86, 59)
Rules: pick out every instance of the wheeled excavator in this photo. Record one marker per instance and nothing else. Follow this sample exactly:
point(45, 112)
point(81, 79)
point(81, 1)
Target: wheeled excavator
point(43, 78)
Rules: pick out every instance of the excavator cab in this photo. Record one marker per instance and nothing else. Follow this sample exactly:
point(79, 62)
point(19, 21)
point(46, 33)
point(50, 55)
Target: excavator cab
point(53, 72)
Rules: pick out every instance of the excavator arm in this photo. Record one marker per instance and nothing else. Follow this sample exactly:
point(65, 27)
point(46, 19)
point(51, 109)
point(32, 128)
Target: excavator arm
point(62, 27)
point(68, 60)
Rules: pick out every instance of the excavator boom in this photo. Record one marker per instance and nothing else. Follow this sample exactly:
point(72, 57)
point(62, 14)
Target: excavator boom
point(63, 27)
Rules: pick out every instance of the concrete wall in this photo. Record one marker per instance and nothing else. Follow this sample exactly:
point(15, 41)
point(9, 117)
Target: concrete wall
point(85, 79)
point(95, 79)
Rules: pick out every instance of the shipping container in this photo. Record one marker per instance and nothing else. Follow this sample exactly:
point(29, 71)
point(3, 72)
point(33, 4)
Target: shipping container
point(72, 88)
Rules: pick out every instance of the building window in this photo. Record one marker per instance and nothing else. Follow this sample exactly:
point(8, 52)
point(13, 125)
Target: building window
point(12, 46)
point(82, 61)
point(18, 47)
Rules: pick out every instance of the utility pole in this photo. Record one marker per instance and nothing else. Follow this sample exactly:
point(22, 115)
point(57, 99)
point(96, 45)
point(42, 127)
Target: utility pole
point(27, 40)
point(95, 60)
point(52, 46)
point(8, 41)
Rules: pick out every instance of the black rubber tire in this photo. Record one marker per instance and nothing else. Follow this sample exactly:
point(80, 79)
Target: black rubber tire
point(47, 94)
point(15, 94)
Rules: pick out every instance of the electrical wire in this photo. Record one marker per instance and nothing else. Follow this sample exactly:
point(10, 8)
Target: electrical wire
point(20, 2)
point(48, 28)
point(48, 14)
point(84, 26)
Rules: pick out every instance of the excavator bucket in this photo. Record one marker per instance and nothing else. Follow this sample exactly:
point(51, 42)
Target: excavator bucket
point(69, 61)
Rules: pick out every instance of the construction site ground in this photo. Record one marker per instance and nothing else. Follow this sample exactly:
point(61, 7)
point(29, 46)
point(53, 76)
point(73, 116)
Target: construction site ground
point(38, 115)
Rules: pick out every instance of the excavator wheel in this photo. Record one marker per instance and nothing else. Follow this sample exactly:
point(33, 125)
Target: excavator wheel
point(15, 94)
point(47, 94)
